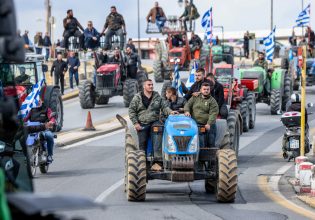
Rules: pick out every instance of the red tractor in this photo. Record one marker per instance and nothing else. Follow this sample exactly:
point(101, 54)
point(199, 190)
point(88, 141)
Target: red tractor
point(110, 79)
point(177, 48)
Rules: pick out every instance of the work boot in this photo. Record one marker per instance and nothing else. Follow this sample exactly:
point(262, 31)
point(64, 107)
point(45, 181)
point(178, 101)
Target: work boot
point(49, 159)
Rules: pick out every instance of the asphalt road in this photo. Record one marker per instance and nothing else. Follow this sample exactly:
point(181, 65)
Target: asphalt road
point(95, 169)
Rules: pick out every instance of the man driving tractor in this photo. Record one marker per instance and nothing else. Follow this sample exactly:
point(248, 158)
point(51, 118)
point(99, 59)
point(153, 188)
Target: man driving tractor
point(196, 44)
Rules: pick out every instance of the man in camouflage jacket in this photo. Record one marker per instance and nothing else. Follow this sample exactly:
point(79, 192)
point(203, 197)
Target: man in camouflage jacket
point(114, 25)
point(144, 110)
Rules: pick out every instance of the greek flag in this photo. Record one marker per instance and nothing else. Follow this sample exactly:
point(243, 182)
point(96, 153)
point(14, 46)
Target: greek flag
point(191, 79)
point(31, 100)
point(269, 43)
point(177, 83)
point(304, 17)
point(207, 24)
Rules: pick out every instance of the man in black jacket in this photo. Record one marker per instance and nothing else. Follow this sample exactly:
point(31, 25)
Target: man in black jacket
point(195, 88)
point(71, 26)
point(59, 68)
point(195, 42)
point(217, 92)
point(133, 62)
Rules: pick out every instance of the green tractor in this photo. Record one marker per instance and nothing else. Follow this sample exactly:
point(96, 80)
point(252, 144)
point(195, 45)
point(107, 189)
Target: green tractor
point(255, 79)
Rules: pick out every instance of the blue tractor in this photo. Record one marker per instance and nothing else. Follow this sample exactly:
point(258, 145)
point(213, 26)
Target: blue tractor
point(182, 148)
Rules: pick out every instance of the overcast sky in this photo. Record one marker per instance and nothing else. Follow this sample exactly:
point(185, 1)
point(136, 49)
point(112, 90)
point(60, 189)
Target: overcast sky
point(234, 15)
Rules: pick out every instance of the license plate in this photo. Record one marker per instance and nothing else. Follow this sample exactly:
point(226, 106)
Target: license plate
point(294, 144)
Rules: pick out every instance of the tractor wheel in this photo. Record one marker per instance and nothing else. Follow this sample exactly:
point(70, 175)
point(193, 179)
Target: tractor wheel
point(225, 143)
point(102, 100)
point(210, 186)
point(141, 77)
point(87, 95)
point(275, 101)
point(166, 84)
point(157, 71)
point(56, 105)
point(130, 145)
point(245, 115)
point(227, 175)
point(251, 101)
point(234, 130)
point(130, 89)
point(287, 91)
point(136, 176)
point(43, 168)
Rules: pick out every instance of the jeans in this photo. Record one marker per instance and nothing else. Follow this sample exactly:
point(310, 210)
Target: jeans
point(49, 137)
point(38, 50)
point(89, 43)
point(108, 35)
point(76, 77)
point(185, 19)
point(160, 22)
point(47, 54)
point(61, 79)
point(143, 136)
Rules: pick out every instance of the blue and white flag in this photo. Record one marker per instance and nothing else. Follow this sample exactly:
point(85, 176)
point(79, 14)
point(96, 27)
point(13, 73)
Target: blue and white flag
point(31, 100)
point(269, 43)
point(207, 24)
point(177, 83)
point(191, 79)
point(304, 17)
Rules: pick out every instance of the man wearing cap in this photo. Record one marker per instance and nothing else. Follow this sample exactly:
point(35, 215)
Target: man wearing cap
point(114, 25)
point(71, 26)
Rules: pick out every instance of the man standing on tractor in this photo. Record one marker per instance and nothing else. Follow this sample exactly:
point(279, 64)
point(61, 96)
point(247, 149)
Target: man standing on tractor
point(133, 62)
point(157, 16)
point(261, 62)
point(59, 68)
point(204, 110)
point(114, 25)
point(190, 13)
point(144, 110)
point(217, 92)
point(175, 102)
point(196, 44)
point(43, 114)
point(71, 25)
point(195, 88)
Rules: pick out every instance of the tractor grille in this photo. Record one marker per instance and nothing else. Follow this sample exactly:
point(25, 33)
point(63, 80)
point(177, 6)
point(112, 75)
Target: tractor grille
point(182, 142)
point(105, 81)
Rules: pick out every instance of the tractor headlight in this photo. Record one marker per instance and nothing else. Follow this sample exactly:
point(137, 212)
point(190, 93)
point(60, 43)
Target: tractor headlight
point(171, 147)
point(193, 148)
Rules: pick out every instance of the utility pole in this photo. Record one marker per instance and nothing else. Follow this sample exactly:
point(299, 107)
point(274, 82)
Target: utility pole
point(48, 16)
point(302, 10)
point(271, 16)
point(139, 50)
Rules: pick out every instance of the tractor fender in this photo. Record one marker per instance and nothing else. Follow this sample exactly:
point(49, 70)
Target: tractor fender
point(130, 130)
point(277, 79)
point(222, 127)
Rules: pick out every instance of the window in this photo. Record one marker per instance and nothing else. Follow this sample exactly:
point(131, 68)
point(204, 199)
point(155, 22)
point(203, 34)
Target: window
point(18, 74)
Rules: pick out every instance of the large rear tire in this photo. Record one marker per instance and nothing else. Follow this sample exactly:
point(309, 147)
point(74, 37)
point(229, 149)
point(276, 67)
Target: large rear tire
point(287, 91)
point(130, 145)
point(130, 89)
point(275, 101)
point(137, 176)
point(227, 175)
point(251, 101)
point(43, 168)
point(87, 95)
point(157, 71)
point(225, 143)
point(56, 106)
point(244, 109)
point(234, 130)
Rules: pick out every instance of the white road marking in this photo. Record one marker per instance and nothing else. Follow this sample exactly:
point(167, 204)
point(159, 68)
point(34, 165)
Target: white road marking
point(108, 191)
point(78, 144)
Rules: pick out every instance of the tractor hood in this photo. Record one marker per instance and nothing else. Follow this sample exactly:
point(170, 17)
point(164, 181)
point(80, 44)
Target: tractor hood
point(108, 68)
point(16, 91)
point(180, 125)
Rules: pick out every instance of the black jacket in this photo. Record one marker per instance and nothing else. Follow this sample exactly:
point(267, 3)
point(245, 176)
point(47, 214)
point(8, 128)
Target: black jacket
point(132, 60)
point(47, 41)
point(196, 88)
point(217, 92)
point(58, 67)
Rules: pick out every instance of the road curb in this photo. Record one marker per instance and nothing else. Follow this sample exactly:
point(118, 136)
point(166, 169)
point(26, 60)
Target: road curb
point(70, 95)
point(92, 135)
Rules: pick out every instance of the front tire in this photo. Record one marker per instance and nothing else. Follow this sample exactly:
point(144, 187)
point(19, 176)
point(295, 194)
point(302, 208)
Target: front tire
point(130, 89)
point(234, 130)
point(136, 176)
point(56, 105)
point(227, 175)
point(275, 101)
point(87, 95)
point(287, 91)
point(251, 101)
point(244, 109)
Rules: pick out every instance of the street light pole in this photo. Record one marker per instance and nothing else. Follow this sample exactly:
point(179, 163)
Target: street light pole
point(139, 51)
point(271, 16)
